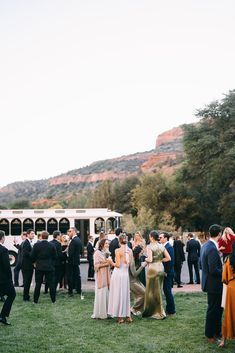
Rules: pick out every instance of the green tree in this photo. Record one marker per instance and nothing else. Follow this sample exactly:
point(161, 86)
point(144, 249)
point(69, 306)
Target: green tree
point(145, 221)
point(209, 168)
point(122, 194)
point(152, 194)
point(102, 196)
point(20, 204)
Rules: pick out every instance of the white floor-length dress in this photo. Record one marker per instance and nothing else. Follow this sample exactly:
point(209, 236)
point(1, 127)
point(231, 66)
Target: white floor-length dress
point(119, 295)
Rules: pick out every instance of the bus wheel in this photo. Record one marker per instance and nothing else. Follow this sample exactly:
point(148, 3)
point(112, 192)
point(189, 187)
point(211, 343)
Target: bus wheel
point(12, 258)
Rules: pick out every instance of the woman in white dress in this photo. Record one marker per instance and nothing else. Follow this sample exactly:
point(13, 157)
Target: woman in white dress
point(102, 263)
point(119, 296)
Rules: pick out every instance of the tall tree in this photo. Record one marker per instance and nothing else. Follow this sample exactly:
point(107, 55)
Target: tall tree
point(152, 194)
point(102, 196)
point(123, 193)
point(209, 168)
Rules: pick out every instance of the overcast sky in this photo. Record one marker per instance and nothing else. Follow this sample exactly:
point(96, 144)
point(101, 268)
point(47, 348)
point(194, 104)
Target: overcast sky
point(86, 80)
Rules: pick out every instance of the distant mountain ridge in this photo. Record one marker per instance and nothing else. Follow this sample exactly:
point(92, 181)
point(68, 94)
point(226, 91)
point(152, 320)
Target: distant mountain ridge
point(166, 156)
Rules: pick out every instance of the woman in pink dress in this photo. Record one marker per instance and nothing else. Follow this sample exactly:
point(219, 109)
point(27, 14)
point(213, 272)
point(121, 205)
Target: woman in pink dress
point(119, 296)
point(102, 280)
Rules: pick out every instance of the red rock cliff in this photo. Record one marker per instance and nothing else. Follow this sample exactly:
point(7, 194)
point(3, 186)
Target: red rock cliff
point(169, 136)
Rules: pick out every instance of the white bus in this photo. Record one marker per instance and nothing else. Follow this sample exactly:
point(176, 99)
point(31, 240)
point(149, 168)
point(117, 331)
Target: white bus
point(88, 221)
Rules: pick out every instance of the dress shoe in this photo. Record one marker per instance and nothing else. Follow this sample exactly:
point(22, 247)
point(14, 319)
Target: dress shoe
point(171, 315)
point(211, 340)
point(190, 283)
point(136, 312)
point(221, 343)
point(3, 321)
point(179, 286)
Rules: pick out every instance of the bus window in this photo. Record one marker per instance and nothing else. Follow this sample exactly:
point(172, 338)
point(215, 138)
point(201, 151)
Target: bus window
point(16, 226)
point(28, 224)
point(52, 225)
point(5, 226)
point(64, 225)
point(111, 223)
point(99, 224)
point(40, 225)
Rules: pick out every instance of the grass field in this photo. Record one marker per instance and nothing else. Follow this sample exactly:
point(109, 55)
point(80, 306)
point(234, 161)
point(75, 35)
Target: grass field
point(66, 327)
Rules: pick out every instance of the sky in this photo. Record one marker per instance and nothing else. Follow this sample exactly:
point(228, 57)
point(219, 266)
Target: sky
point(87, 80)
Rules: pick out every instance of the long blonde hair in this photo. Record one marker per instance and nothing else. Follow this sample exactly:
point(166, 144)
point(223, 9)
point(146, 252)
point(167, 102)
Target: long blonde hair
point(141, 241)
point(226, 234)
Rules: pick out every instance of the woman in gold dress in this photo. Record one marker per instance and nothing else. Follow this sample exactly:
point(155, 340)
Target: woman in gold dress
point(156, 255)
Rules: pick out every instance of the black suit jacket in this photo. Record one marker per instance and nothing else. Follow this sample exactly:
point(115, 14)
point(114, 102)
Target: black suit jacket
point(179, 251)
point(193, 248)
point(113, 246)
point(26, 263)
point(169, 265)
point(5, 268)
point(59, 253)
point(211, 268)
point(74, 251)
point(90, 251)
point(44, 256)
point(19, 256)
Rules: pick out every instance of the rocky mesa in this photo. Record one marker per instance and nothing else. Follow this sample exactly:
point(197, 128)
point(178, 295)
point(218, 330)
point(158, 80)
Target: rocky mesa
point(166, 156)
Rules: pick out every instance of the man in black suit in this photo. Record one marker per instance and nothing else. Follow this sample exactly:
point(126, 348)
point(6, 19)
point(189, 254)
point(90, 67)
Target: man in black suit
point(212, 283)
point(27, 265)
point(90, 251)
point(179, 258)
point(169, 270)
point(74, 253)
point(115, 243)
point(6, 284)
point(44, 257)
point(58, 261)
point(17, 267)
point(193, 248)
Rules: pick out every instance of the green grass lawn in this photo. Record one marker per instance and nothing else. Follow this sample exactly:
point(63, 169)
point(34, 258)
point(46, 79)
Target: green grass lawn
point(67, 327)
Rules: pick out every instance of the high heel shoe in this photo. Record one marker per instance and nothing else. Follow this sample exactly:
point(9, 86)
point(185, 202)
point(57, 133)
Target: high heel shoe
point(129, 320)
point(120, 321)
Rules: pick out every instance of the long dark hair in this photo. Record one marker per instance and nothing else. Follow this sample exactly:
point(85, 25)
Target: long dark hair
point(101, 244)
point(232, 257)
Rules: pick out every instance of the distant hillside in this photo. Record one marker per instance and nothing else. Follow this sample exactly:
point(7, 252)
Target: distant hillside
point(166, 156)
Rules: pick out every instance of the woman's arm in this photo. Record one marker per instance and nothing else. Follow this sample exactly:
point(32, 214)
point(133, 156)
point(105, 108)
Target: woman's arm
point(103, 264)
point(99, 262)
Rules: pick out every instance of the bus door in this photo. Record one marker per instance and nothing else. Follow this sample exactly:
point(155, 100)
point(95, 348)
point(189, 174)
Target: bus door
point(83, 226)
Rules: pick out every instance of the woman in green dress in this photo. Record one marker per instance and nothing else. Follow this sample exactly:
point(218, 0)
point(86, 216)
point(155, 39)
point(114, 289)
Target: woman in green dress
point(156, 255)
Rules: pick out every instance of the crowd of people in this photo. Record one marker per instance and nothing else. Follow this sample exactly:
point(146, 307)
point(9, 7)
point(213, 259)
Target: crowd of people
point(54, 263)
point(131, 274)
point(128, 266)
